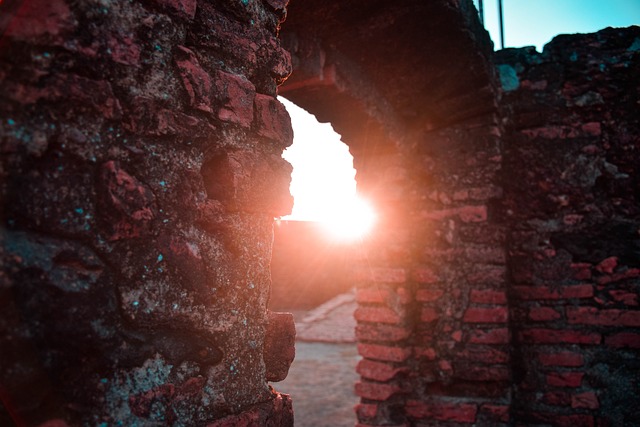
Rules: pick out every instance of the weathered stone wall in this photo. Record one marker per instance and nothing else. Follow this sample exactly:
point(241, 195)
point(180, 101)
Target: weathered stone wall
point(141, 170)
point(572, 206)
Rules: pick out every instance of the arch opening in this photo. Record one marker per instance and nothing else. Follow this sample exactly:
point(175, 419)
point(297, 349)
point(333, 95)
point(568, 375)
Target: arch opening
point(323, 180)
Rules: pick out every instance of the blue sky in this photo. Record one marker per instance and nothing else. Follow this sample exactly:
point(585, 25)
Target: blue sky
point(536, 22)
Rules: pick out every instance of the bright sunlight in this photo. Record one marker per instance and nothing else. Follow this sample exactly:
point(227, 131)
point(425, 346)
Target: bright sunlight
point(323, 179)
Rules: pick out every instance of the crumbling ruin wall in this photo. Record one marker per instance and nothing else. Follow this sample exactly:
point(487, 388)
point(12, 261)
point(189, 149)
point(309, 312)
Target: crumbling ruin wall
point(141, 170)
point(414, 98)
point(572, 206)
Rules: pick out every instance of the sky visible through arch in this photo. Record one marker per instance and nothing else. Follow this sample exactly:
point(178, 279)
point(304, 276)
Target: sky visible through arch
point(323, 176)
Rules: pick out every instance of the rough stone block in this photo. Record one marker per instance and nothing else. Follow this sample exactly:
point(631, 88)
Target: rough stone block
point(273, 121)
point(236, 95)
point(127, 203)
point(279, 345)
point(244, 180)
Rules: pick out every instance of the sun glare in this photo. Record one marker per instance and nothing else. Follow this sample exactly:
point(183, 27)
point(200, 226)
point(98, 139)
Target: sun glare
point(323, 179)
point(352, 222)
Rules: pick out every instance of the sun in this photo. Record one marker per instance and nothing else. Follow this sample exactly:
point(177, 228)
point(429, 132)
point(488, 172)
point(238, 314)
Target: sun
point(350, 221)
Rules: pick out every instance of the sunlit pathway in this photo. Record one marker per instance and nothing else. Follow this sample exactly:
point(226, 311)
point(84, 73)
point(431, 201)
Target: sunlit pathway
point(323, 374)
point(320, 382)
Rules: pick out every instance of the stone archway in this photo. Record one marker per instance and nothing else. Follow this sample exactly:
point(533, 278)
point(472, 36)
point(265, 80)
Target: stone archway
point(413, 98)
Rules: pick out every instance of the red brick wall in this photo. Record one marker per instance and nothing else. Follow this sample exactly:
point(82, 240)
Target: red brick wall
point(573, 211)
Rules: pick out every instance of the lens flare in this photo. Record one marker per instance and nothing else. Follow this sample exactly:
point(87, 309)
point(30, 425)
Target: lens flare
point(351, 221)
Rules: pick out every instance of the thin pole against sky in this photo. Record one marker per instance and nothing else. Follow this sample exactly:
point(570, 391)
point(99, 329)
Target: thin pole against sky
point(501, 24)
point(481, 7)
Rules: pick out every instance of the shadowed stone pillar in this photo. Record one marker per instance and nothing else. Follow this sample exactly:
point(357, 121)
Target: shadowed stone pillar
point(141, 170)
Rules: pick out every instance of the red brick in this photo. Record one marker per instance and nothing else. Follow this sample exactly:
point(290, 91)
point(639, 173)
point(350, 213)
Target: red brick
point(495, 412)
point(581, 271)
point(383, 352)
point(377, 371)
point(377, 315)
point(381, 332)
point(555, 336)
point(442, 411)
point(607, 265)
point(476, 373)
point(565, 379)
point(491, 336)
point(553, 293)
point(563, 358)
point(486, 355)
point(428, 353)
point(623, 339)
point(557, 398)
point(366, 410)
point(487, 275)
point(428, 295)
point(486, 315)
point(488, 296)
point(372, 295)
point(472, 213)
point(587, 400)
point(615, 277)
point(428, 314)
point(625, 297)
point(592, 128)
point(376, 391)
point(594, 316)
point(381, 275)
point(425, 275)
point(543, 314)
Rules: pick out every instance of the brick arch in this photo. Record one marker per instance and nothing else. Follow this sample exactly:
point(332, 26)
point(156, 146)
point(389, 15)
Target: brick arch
point(413, 97)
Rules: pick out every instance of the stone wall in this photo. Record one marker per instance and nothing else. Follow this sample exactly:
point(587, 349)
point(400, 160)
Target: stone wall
point(141, 170)
point(572, 206)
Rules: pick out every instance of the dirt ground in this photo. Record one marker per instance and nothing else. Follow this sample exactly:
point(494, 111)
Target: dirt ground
point(320, 382)
point(322, 377)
